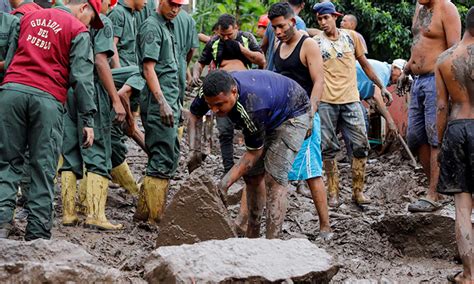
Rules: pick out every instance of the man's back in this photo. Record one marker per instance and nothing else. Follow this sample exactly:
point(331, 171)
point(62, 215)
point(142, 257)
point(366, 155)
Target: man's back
point(434, 30)
point(456, 67)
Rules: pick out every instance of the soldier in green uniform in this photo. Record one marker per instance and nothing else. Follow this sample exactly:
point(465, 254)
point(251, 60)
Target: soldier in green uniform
point(97, 159)
point(140, 17)
point(9, 26)
point(187, 42)
point(125, 33)
point(161, 109)
point(31, 110)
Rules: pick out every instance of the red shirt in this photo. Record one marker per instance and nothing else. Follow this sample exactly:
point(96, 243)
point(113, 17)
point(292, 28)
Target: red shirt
point(42, 57)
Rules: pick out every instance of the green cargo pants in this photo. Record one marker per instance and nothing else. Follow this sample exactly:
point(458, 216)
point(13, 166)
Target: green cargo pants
point(34, 121)
point(162, 141)
point(129, 75)
point(95, 159)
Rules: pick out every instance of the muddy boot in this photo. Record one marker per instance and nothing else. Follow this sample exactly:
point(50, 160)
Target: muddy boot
point(332, 174)
point(81, 206)
point(96, 197)
point(68, 197)
point(141, 213)
point(122, 175)
point(180, 133)
point(155, 191)
point(358, 180)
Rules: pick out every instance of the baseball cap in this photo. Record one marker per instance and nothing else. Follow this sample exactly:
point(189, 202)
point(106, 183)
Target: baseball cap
point(399, 63)
point(97, 22)
point(325, 8)
point(263, 21)
point(180, 2)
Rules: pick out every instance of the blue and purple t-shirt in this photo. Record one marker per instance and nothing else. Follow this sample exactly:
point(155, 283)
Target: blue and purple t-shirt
point(266, 100)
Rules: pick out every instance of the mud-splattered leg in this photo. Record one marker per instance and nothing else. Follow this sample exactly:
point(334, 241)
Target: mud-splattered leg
point(464, 234)
point(318, 192)
point(276, 207)
point(255, 202)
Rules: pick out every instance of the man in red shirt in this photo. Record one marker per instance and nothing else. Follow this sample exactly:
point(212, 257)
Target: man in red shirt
point(53, 53)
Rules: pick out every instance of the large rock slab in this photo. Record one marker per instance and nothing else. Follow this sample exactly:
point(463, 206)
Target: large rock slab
point(196, 213)
point(422, 234)
point(241, 261)
point(57, 261)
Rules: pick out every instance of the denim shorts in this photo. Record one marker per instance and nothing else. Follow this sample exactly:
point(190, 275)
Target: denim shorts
point(280, 149)
point(422, 113)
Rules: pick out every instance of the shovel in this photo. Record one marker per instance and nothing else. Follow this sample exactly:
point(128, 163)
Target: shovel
point(413, 160)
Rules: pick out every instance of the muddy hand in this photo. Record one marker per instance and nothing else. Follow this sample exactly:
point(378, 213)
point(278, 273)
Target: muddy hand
point(388, 96)
point(402, 84)
point(166, 114)
point(195, 160)
point(310, 128)
point(120, 113)
point(88, 134)
point(222, 191)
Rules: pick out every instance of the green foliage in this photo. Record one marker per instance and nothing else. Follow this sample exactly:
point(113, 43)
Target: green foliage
point(385, 24)
point(247, 12)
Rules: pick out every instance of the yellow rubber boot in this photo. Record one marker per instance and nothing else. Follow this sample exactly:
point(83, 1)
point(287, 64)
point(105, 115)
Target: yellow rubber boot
point(180, 133)
point(332, 174)
point(82, 191)
point(141, 213)
point(68, 195)
point(122, 175)
point(155, 191)
point(96, 197)
point(358, 180)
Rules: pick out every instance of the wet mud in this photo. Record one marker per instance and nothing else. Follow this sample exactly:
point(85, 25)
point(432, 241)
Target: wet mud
point(365, 251)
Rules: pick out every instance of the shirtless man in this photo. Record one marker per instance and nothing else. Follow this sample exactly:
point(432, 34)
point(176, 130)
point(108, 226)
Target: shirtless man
point(436, 27)
point(455, 85)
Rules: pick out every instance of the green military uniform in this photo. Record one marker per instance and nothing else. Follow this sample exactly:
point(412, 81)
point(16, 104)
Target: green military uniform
point(125, 29)
point(156, 42)
point(146, 12)
point(9, 26)
point(186, 39)
point(34, 118)
point(129, 76)
point(97, 158)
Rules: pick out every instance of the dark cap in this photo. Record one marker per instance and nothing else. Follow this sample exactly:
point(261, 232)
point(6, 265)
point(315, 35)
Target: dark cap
point(97, 22)
point(325, 8)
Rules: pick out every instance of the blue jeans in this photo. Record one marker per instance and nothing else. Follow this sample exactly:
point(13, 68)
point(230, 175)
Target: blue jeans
point(422, 113)
point(347, 116)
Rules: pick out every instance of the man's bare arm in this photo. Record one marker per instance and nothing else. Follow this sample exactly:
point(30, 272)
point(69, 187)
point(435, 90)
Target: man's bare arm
point(105, 76)
point(256, 57)
point(115, 62)
point(442, 105)
point(245, 163)
point(451, 24)
point(264, 45)
point(197, 70)
point(369, 71)
point(314, 62)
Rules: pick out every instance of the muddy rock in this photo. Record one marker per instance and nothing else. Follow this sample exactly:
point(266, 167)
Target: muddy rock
point(234, 194)
point(56, 261)
point(241, 261)
point(195, 214)
point(422, 234)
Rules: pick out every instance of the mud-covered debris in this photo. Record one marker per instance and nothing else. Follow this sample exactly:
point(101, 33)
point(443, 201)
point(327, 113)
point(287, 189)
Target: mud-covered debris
point(422, 234)
point(241, 261)
point(55, 261)
point(195, 214)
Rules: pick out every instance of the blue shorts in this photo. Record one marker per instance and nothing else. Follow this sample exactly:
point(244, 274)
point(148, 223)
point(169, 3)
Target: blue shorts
point(422, 112)
point(309, 162)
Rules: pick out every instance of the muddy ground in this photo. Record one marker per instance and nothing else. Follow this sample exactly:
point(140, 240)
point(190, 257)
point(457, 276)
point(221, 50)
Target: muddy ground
point(364, 253)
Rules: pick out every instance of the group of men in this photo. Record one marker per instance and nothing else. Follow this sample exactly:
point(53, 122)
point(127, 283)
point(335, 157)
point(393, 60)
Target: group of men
point(72, 76)
point(263, 104)
point(134, 60)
